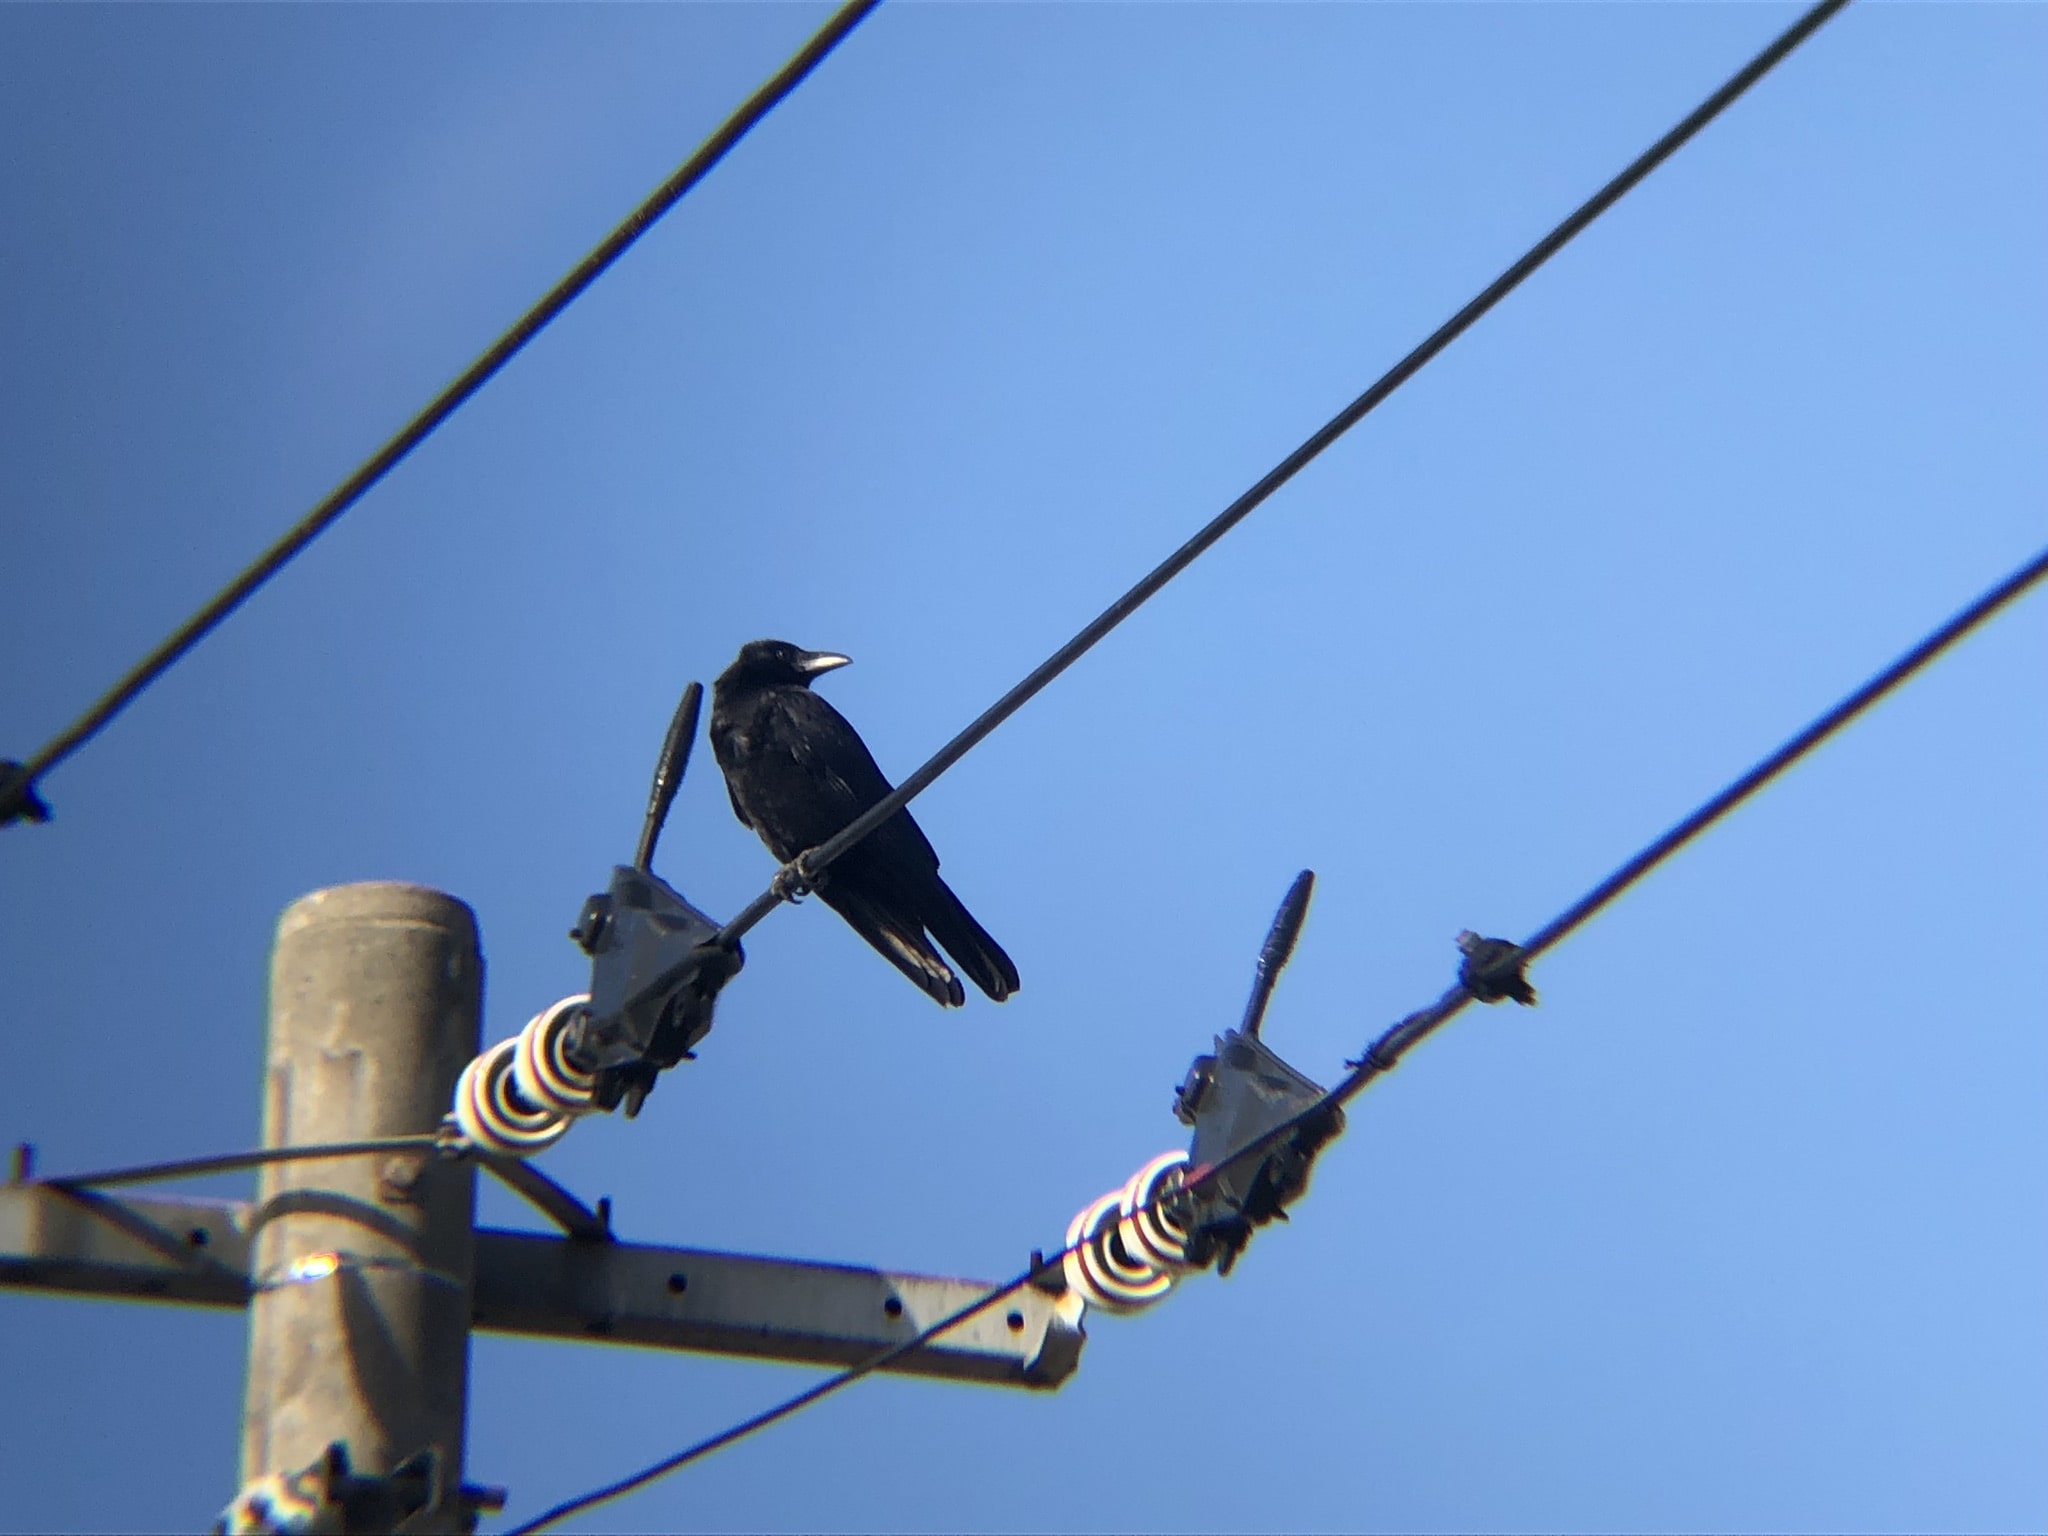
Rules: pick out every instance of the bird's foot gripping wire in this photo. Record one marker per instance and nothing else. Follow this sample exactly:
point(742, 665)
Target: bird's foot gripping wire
point(797, 879)
point(18, 798)
point(1492, 970)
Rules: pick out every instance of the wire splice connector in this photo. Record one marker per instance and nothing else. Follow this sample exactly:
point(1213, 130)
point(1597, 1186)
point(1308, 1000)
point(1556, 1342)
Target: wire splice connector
point(18, 798)
point(1492, 970)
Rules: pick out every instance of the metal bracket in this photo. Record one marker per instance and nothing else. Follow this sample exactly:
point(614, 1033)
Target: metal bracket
point(655, 970)
point(197, 1252)
point(329, 1498)
point(655, 976)
point(552, 1200)
point(1238, 1096)
point(1236, 1099)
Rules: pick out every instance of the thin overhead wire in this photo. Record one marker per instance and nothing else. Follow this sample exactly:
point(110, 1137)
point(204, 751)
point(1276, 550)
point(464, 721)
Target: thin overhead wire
point(784, 1409)
point(1969, 619)
point(816, 860)
point(1387, 1050)
point(18, 781)
point(544, 1194)
point(194, 1167)
point(1397, 1041)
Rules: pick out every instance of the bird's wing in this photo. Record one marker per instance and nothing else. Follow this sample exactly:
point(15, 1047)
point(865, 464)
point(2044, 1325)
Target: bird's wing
point(822, 741)
point(737, 809)
point(821, 776)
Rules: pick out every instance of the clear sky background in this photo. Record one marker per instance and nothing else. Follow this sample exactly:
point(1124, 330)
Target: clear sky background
point(1742, 1230)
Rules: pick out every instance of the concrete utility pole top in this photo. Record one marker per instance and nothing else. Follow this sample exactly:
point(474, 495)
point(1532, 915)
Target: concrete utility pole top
point(363, 1274)
point(364, 1267)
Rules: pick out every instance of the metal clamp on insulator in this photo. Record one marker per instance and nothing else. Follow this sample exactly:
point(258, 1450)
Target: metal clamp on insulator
point(1258, 1122)
point(656, 967)
point(655, 973)
point(1258, 1125)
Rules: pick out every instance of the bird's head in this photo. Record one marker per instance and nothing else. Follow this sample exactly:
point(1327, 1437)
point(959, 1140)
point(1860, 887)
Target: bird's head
point(776, 664)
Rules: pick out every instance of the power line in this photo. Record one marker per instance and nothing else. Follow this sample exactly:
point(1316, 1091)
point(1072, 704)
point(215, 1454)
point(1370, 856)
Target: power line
point(18, 780)
point(1386, 1051)
point(2013, 587)
point(808, 865)
point(233, 1162)
point(1395, 1043)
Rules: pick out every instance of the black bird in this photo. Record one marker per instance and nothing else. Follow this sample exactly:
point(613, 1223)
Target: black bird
point(797, 774)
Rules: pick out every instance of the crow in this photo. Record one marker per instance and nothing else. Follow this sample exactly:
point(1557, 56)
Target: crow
point(797, 774)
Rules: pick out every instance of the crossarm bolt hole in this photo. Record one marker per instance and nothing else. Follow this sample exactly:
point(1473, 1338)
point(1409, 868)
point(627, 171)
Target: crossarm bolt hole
point(1016, 1322)
point(678, 1283)
point(893, 1306)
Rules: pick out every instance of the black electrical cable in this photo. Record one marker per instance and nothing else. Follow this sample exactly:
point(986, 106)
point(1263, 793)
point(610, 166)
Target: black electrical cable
point(193, 1167)
point(783, 1410)
point(18, 780)
point(1970, 618)
point(1386, 1051)
point(1397, 1041)
point(522, 1178)
point(801, 872)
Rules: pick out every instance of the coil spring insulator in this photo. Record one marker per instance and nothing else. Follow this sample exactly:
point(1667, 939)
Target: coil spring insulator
point(519, 1096)
point(1125, 1251)
point(542, 1070)
point(1148, 1227)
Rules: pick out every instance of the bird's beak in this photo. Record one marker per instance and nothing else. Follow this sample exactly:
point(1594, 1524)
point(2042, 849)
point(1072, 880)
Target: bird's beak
point(812, 663)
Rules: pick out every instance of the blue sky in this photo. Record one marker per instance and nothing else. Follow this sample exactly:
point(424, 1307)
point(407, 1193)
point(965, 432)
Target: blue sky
point(1740, 1231)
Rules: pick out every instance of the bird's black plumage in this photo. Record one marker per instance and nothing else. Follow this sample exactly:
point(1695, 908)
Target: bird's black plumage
point(798, 774)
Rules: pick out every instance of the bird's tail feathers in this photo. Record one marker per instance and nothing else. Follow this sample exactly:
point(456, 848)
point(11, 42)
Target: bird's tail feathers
point(980, 956)
point(902, 947)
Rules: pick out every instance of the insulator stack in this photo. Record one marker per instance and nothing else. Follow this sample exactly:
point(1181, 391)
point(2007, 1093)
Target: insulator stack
point(519, 1097)
point(542, 1070)
point(1126, 1248)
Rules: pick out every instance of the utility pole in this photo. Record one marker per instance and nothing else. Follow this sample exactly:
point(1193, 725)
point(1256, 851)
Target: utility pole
point(363, 1269)
point(364, 1274)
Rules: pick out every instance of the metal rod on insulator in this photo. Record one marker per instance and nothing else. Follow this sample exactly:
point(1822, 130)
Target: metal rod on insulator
point(1278, 949)
point(668, 774)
